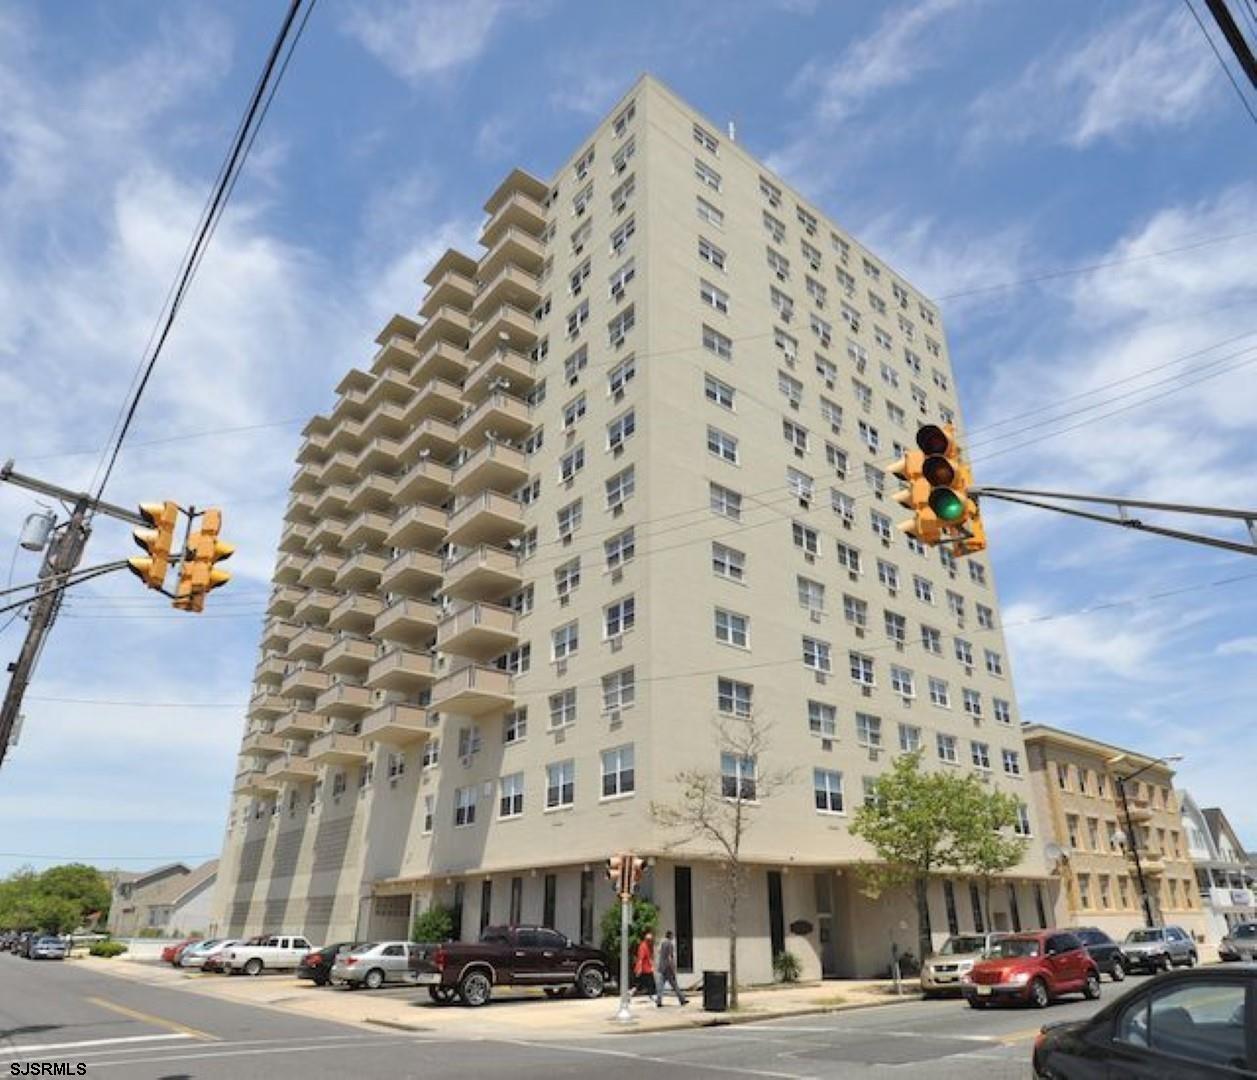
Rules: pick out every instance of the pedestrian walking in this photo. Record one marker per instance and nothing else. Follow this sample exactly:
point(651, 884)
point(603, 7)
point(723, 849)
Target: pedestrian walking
point(667, 972)
point(644, 965)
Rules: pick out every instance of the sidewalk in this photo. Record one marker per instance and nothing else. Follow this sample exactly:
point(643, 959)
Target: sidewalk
point(512, 1014)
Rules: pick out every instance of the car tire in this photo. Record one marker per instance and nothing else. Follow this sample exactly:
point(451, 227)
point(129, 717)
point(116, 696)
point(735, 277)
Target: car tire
point(1038, 995)
point(253, 966)
point(442, 995)
point(591, 982)
point(1166, 963)
point(321, 980)
point(1091, 988)
point(975, 1003)
point(1118, 973)
point(373, 979)
point(1192, 959)
point(475, 989)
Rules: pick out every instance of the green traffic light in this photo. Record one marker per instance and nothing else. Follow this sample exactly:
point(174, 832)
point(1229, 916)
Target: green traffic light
point(947, 505)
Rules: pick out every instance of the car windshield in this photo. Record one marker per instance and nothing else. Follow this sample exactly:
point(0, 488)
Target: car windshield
point(1144, 935)
point(1245, 931)
point(1013, 947)
point(962, 943)
point(367, 947)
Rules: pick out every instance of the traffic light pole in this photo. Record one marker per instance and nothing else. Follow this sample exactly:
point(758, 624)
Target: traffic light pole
point(624, 1014)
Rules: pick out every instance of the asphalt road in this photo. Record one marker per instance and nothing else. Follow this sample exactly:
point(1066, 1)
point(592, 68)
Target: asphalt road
point(60, 1012)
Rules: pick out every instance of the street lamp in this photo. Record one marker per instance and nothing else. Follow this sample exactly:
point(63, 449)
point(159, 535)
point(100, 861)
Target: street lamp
point(1128, 839)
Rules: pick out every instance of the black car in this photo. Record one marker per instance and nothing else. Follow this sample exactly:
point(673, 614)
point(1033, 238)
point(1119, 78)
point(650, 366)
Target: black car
point(317, 965)
point(1196, 1024)
point(1106, 952)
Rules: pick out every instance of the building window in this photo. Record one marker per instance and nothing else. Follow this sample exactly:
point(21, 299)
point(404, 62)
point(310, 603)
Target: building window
point(430, 756)
point(569, 518)
point(713, 297)
point(707, 175)
point(563, 708)
point(720, 393)
point(994, 662)
point(560, 784)
point(849, 557)
point(617, 283)
point(817, 655)
point(806, 538)
point(468, 741)
point(709, 253)
point(902, 682)
point(621, 375)
point(940, 695)
point(732, 628)
point(949, 900)
point(620, 549)
point(726, 502)
point(567, 577)
point(737, 777)
point(619, 617)
point(855, 611)
point(822, 719)
point(565, 641)
point(511, 795)
point(734, 698)
point(571, 463)
point(896, 627)
point(888, 575)
point(429, 813)
point(909, 738)
point(622, 234)
point(713, 215)
point(811, 593)
point(980, 753)
point(464, 806)
point(617, 772)
point(1022, 825)
point(795, 435)
point(931, 640)
point(619, 690)
point(515, 725)
point(718, 343)
point(868, 730)
point(619, 327)
point(722, 444)
point(862, 669)
point(827, 790)
point(946, 748)
point(776, 228)
point(972, 702)
point(727, 562)
point(620, 487)
point(1012, 762)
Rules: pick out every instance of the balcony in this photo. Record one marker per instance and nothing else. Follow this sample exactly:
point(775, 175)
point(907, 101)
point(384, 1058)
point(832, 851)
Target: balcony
point(276, 634)
point(512, 246)
point(352, 403)
point(328, 532)
point(407, 621)
point(315, 606)
point(375, 491)
point(354, 382)
point(1153, 863)
point(451, 289)
point(369, 528)
point(478, 630)
point(294, 538)
point(432, 436)
point(421, 526)
point(306, 478)
point(446, 323)
point(398, 723)
point(412, 573)
point(308, 646)
point(396, 353)
point(283, 599)
point(270, 669)
point(511, 286)
point(300, 507)
point(350, 656)
point(361, 571)
point(337, 469)
point(332, 501)
point(253, 782)
point(347, 435)
point(355, 614)
point(487, 518)
point(502, 366)
point(501, 415)
point(1140, 811)
point(343, 699)
point(333, 748)
point(441, 360)
point(264, 705)
point(392, 385)
point(517, 210)
point(291, 769)
point(507, 327)
point(437, 397)
point(303, 683)
point(388, 418)
point(495, 466)
point(402, 669)
point(402, 326)
point(313, 448)
point(474, 691)
point(298, 723)
point(262, 744)
point(320, 570)
point(483, 573)
point(290, 567)
point(425, 482)
point(379, 455)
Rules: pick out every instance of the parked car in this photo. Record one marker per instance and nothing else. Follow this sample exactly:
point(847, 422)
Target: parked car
point(1240, 943)
point(194, 955)
point(1032, 969)
point(508, 956)
point(317, 965)
point(373, 964)
point(1159, 948)
point(1187, 1025)
point(940, 974)
point(282, 952)
point(48, 948)
point(170, 954)
point(216, 959)
point(1106, 952)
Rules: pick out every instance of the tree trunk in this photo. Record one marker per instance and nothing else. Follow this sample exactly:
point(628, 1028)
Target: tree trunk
point(925, 944)
point(733, 945)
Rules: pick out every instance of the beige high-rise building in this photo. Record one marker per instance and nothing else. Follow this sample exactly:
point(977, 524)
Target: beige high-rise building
point(621, 480)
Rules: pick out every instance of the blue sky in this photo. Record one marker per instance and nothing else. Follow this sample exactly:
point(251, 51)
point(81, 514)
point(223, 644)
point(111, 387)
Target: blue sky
point(969, 143)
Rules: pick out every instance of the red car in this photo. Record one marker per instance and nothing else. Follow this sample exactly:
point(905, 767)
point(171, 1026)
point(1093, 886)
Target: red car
point(1033, 969)
point(170, 954)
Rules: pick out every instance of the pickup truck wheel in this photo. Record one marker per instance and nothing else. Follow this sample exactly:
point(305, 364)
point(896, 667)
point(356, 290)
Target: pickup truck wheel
point(253, 966)
point(442, 995)
point(475, 989)
point(591, 982)
point(374, 979)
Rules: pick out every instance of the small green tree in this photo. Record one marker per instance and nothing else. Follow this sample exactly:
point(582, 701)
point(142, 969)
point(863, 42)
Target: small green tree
point(433, 926)
point(643, 920)
point(985, 844)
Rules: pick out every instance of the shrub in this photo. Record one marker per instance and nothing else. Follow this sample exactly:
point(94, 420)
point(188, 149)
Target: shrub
point(434, 925)
point(643, 917)
point(106, 949)
point(786, 967)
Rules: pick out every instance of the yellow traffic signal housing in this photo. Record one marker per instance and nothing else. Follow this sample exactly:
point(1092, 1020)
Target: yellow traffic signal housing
point(199, 575)
point(615, 872)
point(157, 539)
point(974, 539)
point(915, 496)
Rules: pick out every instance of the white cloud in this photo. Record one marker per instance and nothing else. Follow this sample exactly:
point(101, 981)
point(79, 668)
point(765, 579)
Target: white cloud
point(417, 39)
point(1146, 70)
point(1244, 646)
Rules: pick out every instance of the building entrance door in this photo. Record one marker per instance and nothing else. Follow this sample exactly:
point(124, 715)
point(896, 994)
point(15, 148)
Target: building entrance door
point(823, 885)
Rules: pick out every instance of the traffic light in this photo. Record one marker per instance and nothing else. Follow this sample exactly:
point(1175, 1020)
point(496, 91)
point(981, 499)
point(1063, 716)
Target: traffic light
point(615, 871)
point(638, 866)
point(947, 478)
point(915, 495)
point(936, 489)
point(157, 540)
point(199, 575)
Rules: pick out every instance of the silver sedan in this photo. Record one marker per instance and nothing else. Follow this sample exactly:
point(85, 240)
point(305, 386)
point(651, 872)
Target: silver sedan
point(374, 964)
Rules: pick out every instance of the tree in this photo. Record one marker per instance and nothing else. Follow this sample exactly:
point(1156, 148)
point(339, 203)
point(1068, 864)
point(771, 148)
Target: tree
point(433, 926)
point(716, 807)
point(58, 900)
point(643, 919)
point(985, 843)
point(82, 885)
point(912, 827)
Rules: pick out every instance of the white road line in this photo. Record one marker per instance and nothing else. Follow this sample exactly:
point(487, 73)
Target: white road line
point(674, 1062)
point(330, 1041)
point(43, 1048)
point(213, 1053)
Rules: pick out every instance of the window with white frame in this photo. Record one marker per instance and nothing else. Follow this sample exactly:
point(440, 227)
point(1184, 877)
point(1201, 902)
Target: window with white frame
point(429, 812)
point(622, 194)
point(824, 331)
point(618, 328)
point(822, 719)
point(869, 436)
point(718, 392)
point(770, 191)
point(946, 745)
point(469, 740)
point(861, 667)
point(515, 725)
point(560, 784)
point(707, 175)
point(625, 117)
point(713, 297)
point(620, 487)
point(846, 282)
point(882, 338)
point(855, 611)
point(909, 738)
point(956, 604)
point(778, 264)
point(807, 220)
point(980, 754)
point(882, 525)
point(1022, 825)
point(1003, 711)
point(1012, 762)
point(888, 574)
point(972, 702)
point(621, 429)
point(819, 294)
point(827, 790)
point(977, 573)
point(986, 617)
point(563, 708)
point(786, 345)
point(896, 626)
point(964, 652)
point(722, 444)
point(806, 538)
point(776, 229)
point(709, 253)
point(618, 777)
point(836, 458)
point(902, 681)
point(567, 577)
point(842, 504)
point(465, 806)
point(569, 517)
point(718, 343)
point(582, 199)
point(713, 215)
point(849, 557)
point(791, 389)
point(916, 547)
point(577, 318)
point(429, 756)
point(622, 234)
point(737, 777)
point(726, 502)
point(811, 593)
point(795, 435)
point(619, 617)
point(571, 463)
point(621, 158)
point(940, 693)
point(727, 562)
point(573, 411)
point(826, 369)
point(619, 690)
point(575, 364)
point(850, 316)
point(577, 278)
point(831, 413)
point(580, 237)
point(781, 304)
point(511, 795)
point(895, 414)
point(868, 730)
point(565, 640)
point(732, 628)
point(817, 655)
point(923, 588)
point(811, 254)
point(621, 375)
point(617, 282)
point(620, 549)
point(734, 698)
point(994, 662)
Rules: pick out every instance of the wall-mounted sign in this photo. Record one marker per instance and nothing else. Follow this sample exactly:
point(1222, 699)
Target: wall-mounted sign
point(801, 927)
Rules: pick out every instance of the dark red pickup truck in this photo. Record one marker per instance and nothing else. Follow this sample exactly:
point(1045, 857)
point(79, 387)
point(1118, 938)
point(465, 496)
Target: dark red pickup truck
point(509, 956)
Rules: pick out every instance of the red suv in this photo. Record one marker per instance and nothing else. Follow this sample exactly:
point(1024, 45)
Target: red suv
point(1033, 968)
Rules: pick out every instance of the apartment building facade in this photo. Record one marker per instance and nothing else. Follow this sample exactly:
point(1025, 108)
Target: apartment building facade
point(1075, 784)
point(621, 481)
point(1224, 874)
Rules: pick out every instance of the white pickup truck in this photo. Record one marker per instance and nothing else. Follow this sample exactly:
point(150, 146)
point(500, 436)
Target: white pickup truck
point(280, 953)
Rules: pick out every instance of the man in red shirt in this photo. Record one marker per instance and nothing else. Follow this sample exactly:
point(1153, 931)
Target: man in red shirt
point(644, 965)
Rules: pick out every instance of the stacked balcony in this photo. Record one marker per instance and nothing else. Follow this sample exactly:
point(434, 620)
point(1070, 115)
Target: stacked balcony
point(482, 573)
point(478, 630)
point(398, 669)
point(397, 723)
point(291, 769)
point(486, 518)
point(355, 614)
point(338, 748)
point(474, 690)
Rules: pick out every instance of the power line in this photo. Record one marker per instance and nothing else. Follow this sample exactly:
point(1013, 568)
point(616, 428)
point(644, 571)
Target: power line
point(1222, 63)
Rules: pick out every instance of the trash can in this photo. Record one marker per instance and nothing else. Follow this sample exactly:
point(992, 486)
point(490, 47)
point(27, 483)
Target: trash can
point(716, 991)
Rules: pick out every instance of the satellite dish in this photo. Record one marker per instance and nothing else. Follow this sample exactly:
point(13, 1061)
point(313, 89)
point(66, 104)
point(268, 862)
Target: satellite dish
point(1055, 853)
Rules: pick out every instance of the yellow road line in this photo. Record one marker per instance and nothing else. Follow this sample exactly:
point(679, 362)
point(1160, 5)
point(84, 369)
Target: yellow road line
point(148, 1018)
point(1018, 1036)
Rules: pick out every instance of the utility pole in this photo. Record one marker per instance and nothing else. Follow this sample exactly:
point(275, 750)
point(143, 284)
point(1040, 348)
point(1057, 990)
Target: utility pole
point(61, 556)
point(1132, 843)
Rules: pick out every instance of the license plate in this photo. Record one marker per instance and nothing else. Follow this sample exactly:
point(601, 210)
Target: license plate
point(428, 978)
point(984, 991)
point(944, 978)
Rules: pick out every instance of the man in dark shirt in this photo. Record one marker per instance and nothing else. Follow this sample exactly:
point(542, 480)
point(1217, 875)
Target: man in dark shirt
point(666, 970)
